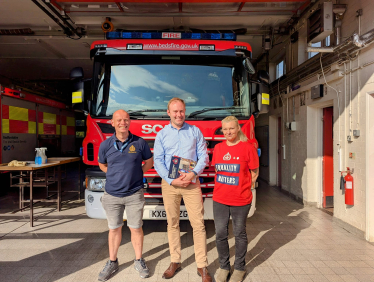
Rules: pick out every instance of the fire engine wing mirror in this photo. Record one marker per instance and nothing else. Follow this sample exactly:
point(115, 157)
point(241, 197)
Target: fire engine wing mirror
point(76, 73)
point(77, 94)
point(78, 85)
point(263, 97)
point(261, 100)
point(248, 66)
point(263, 76)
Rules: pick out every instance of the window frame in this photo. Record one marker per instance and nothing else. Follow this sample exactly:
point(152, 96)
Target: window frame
point(277, 74)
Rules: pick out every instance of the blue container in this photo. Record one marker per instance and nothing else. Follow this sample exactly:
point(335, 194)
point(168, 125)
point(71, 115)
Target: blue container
point(38, 160)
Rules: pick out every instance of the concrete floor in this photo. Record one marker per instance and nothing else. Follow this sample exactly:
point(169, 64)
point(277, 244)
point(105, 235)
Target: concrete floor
point(288, 242)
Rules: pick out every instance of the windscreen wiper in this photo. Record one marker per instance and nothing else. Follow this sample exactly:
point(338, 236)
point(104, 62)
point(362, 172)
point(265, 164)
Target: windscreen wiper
point(193, 114)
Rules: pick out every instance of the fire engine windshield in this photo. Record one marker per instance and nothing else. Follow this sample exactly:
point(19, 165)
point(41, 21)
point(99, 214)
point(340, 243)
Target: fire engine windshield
point(144, 90)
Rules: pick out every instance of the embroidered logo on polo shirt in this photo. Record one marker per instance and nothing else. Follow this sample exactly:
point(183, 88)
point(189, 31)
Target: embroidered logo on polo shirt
point(227, 157)
point(132, 149)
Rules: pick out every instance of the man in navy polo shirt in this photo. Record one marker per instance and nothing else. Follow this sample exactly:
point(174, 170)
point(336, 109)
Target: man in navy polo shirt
point(121, 157)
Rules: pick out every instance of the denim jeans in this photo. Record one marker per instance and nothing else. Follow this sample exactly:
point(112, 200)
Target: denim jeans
point(239, 215)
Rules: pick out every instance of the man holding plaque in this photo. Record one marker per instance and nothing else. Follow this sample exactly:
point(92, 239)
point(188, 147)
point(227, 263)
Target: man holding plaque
point(184, 141)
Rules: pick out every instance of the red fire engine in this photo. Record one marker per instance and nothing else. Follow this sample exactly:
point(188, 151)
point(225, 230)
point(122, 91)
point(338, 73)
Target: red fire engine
point(140, 72)
point(30, 121)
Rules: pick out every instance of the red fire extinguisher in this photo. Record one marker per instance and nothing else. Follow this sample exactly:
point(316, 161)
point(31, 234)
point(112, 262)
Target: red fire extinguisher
point(349, 188)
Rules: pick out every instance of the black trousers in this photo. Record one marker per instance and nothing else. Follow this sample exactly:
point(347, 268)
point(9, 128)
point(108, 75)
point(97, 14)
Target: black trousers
point(221, 221)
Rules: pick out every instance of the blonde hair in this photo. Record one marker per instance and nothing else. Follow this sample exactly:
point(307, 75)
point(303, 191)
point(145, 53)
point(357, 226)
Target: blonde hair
point(176, 99)
point(241, 135)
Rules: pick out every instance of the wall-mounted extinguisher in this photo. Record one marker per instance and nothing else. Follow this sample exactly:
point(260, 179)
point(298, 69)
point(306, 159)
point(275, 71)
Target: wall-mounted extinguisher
point(349, 188)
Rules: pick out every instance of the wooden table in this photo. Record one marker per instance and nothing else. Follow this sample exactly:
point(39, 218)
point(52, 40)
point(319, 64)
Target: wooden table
point(31, 169)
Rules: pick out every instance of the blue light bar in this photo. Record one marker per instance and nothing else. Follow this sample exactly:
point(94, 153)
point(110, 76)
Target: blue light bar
point(159, 35)
point(191, 35)
point(113, 35)
point(229, 36)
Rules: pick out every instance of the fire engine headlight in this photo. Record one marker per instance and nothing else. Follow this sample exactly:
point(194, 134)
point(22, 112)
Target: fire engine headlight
point(96, 184)
point(90, 199)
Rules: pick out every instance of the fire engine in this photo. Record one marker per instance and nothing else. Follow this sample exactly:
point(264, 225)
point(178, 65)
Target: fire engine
point(140, 72)
point(30, 121)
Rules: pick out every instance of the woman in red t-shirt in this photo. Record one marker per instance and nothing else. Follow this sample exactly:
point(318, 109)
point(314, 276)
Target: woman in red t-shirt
point(236, 164)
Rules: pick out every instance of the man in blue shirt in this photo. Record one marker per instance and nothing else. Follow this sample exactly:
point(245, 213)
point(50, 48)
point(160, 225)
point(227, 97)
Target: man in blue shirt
point(183, 140)
point(121, 157)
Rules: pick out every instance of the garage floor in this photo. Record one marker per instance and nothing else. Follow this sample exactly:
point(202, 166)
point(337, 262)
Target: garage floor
point(288, 242)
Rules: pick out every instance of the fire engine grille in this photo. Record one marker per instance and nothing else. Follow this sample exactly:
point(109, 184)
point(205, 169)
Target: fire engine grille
point(160, 201)
point(212, 144)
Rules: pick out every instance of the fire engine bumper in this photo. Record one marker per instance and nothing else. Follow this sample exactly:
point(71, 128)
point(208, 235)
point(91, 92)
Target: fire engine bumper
point(94, 209)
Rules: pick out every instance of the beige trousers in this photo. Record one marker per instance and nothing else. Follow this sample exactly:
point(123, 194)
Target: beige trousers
point(193, 200)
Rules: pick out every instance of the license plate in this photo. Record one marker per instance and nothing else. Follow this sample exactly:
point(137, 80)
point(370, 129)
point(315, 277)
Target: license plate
point(162, 214)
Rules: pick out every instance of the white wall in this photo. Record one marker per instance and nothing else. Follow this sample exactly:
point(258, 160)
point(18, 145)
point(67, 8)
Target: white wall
point(301, 170)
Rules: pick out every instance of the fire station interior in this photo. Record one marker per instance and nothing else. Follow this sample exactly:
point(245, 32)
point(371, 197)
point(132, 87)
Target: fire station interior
point(317, 126)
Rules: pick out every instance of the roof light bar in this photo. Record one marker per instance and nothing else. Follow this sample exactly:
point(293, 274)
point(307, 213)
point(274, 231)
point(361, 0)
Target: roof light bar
point(170, 35)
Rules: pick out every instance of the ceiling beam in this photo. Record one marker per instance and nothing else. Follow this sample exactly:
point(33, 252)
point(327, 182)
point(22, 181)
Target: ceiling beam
point(241, 6)
point(51, 49)
point(179, 1)
point(119, 6)
point(56, 5)
point(183, 14)
point(303, 6)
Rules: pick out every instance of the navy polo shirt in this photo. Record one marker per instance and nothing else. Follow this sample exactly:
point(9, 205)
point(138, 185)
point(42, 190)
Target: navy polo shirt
point(124, 176)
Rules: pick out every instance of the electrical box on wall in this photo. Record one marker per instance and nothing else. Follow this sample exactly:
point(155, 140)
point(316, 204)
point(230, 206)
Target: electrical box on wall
point(291, 125)
point(317, 91)
point(320, 23)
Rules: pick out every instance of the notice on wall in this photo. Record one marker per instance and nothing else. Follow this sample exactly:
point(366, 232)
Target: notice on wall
point(19, 147)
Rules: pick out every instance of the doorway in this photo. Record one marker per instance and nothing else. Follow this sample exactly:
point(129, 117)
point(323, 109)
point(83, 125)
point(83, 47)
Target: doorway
point(328, 162)
point(279, 172)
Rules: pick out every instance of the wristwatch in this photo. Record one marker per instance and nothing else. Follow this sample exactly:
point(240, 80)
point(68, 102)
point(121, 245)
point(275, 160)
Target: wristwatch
point(194, 172)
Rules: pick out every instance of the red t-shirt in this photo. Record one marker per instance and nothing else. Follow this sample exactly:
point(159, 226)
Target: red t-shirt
point(233, 179)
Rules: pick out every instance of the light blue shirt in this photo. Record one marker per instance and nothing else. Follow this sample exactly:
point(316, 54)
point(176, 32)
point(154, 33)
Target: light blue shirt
point(187, 142)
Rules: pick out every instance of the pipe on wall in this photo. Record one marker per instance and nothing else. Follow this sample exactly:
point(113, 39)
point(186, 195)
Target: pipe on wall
point(66, 30)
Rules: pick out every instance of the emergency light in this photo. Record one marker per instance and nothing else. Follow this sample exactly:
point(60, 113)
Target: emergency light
point(170, 35)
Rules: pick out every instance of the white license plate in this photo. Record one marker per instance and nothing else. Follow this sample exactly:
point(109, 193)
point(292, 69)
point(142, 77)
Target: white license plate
point(162, 214)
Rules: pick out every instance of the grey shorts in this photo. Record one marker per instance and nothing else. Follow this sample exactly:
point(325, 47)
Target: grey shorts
point(115, 206)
